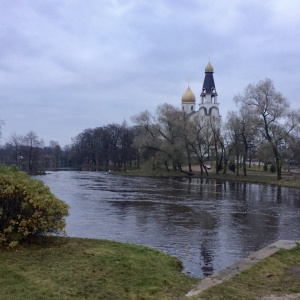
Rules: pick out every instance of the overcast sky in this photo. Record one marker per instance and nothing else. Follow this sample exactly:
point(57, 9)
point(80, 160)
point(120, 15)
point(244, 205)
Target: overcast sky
point(70, 65)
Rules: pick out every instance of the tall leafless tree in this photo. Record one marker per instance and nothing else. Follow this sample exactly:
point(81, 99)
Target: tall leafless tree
point(274, 119)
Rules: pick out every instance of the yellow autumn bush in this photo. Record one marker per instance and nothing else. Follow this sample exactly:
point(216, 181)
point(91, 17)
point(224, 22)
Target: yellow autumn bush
point(27, 208)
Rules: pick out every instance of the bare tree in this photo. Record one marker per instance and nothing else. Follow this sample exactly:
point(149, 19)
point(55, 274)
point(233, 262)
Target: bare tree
point(16, 142)
point(243, 133)
point(33, 149)
point(198, 142)
point(273, 117)
point(170, 128)
point(217, 142)
point(228, 146)
point(103, 147)
point(56, 153)
point(146, 138)
point(161, 135)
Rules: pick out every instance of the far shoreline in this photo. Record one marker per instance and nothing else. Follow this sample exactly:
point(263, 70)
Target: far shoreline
point(254, 175)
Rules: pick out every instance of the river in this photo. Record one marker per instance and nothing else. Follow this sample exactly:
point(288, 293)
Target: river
point(207, 224)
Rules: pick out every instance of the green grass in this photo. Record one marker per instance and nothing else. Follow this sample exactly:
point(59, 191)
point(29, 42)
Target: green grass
point(279, 274)
point(72, 268)
point(254, 175)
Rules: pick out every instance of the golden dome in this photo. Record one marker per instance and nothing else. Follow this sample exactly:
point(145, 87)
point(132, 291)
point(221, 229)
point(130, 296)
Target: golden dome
point(209, 68)
point(188, 96)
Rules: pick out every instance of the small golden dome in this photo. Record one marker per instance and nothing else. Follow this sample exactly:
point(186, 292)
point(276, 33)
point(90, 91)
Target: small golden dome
point(209, 68)
point(188, 96)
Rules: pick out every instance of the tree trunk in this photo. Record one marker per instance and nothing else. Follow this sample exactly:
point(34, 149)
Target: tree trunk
point(244, 164)
point(201, 166)
point(277, 161)
point(206, 172)
point(189, 159)
point(167, 166)
point(278, 167)
point(237, 164)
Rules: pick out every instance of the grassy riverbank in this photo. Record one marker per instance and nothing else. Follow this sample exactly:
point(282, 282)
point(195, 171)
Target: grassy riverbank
point(72, 268)
point(254, 175)
point(277, 275)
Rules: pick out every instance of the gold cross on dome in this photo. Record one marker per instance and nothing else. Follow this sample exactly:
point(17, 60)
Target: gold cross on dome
point(189, 80)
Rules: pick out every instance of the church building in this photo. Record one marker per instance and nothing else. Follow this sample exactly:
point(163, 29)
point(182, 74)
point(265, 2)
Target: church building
point(208, 106)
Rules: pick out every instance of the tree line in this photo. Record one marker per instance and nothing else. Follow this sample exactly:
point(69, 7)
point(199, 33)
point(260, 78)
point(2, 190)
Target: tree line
point(99, 148)
point(263, 128)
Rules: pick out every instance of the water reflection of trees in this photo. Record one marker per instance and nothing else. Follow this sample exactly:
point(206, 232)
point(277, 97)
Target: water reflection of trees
point(239, 217)
point(256, 213)
point(200, 220)
point(208, 259)
point(180, 221)
point(167, 213)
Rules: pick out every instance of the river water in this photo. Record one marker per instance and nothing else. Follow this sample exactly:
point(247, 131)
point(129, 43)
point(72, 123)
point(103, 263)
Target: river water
point(207, 224)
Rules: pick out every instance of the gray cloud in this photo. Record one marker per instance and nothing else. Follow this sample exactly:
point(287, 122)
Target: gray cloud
point(70, 65)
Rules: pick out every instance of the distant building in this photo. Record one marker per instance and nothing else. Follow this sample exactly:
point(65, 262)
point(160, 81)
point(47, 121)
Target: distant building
point(208, 106)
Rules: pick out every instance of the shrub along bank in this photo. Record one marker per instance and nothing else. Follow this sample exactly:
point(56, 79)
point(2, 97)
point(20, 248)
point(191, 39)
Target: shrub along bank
point(27, 208)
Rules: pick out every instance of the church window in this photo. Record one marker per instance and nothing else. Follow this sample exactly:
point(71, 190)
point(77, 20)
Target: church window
point(192, 107)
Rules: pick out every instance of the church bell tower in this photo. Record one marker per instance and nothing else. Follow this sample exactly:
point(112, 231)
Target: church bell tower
point(209, 106)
